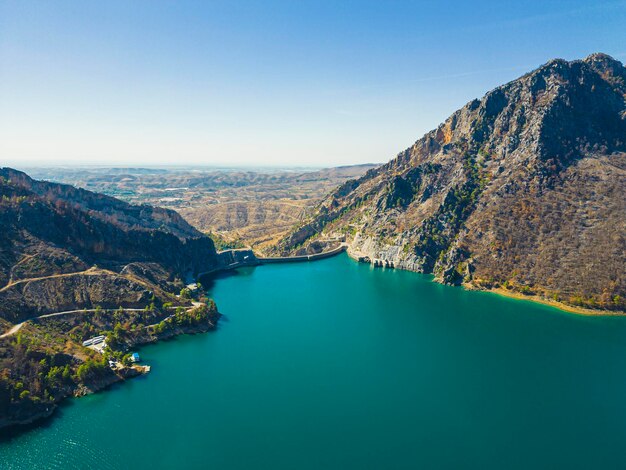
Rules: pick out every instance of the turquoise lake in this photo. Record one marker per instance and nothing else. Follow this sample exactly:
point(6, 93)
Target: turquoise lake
point(333, 364)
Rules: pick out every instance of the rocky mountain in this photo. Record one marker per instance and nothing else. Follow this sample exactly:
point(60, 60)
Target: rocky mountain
point(64, 248)
point(79, 265)
point(522, 190)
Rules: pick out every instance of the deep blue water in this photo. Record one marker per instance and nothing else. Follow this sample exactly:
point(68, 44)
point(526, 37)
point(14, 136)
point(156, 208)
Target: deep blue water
point(333, 364)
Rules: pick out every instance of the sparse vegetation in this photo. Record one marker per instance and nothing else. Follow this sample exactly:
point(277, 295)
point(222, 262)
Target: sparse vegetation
point(533, 198)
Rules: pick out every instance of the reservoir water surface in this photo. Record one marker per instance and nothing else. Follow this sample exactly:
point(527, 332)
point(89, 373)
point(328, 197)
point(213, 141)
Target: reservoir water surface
point(333, 364)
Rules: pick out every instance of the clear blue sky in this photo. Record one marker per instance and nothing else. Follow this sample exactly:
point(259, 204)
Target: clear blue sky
point(266, 83)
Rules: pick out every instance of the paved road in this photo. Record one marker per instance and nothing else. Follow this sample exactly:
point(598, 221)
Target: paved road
point(13, 330)
point(88, 272)
point(17, 327)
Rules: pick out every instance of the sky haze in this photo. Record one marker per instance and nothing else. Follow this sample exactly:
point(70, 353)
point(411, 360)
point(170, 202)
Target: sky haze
point(266, 83)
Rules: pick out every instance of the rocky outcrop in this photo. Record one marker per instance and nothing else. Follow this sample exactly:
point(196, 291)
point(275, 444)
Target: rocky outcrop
point(523, 187)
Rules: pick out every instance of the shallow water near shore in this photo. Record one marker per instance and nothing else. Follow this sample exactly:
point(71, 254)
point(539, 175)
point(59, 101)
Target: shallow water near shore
point(334, 364)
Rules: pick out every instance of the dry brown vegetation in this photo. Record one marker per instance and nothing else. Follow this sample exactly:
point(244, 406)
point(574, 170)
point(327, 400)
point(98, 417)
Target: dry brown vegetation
point(251, 208)
point(523, 189)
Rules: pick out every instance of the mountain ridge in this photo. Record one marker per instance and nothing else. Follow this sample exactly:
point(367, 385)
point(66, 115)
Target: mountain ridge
point(492, 197)
point(51, 229)
point(75, 265)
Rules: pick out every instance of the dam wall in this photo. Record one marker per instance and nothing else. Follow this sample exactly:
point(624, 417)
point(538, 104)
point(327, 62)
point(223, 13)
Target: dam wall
point(297, 259)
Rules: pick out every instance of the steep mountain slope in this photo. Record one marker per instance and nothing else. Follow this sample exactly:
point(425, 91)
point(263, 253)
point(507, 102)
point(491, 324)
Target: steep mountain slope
point(76, 265)
point(522, 189)
point(64, 248)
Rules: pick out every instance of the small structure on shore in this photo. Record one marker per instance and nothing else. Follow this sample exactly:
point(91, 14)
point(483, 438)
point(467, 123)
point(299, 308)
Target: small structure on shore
point(97, 343)
point(135, 357)
point(94, 340)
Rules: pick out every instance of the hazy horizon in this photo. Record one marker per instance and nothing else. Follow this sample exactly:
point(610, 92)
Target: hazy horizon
point(265, 85)
point(30, 165)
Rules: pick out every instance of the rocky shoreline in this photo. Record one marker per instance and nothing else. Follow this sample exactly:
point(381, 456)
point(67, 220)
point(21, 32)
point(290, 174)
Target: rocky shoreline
point(520, 189)
point(367, 251)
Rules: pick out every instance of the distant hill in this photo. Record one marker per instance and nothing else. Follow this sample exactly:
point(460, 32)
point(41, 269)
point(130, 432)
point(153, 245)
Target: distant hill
point(523, 190)
point(238, 206)
point(64, 248)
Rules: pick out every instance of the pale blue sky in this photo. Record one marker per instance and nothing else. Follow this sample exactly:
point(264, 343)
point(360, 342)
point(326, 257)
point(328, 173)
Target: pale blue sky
point(266, 83)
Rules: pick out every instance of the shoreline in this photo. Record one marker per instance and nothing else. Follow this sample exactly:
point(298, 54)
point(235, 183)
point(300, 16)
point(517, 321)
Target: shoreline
point(9, 425)
point(498, 291)
point(588, 312)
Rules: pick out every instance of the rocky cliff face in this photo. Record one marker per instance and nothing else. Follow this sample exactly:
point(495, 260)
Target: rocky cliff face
point(522, 189)
point(66, 248)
